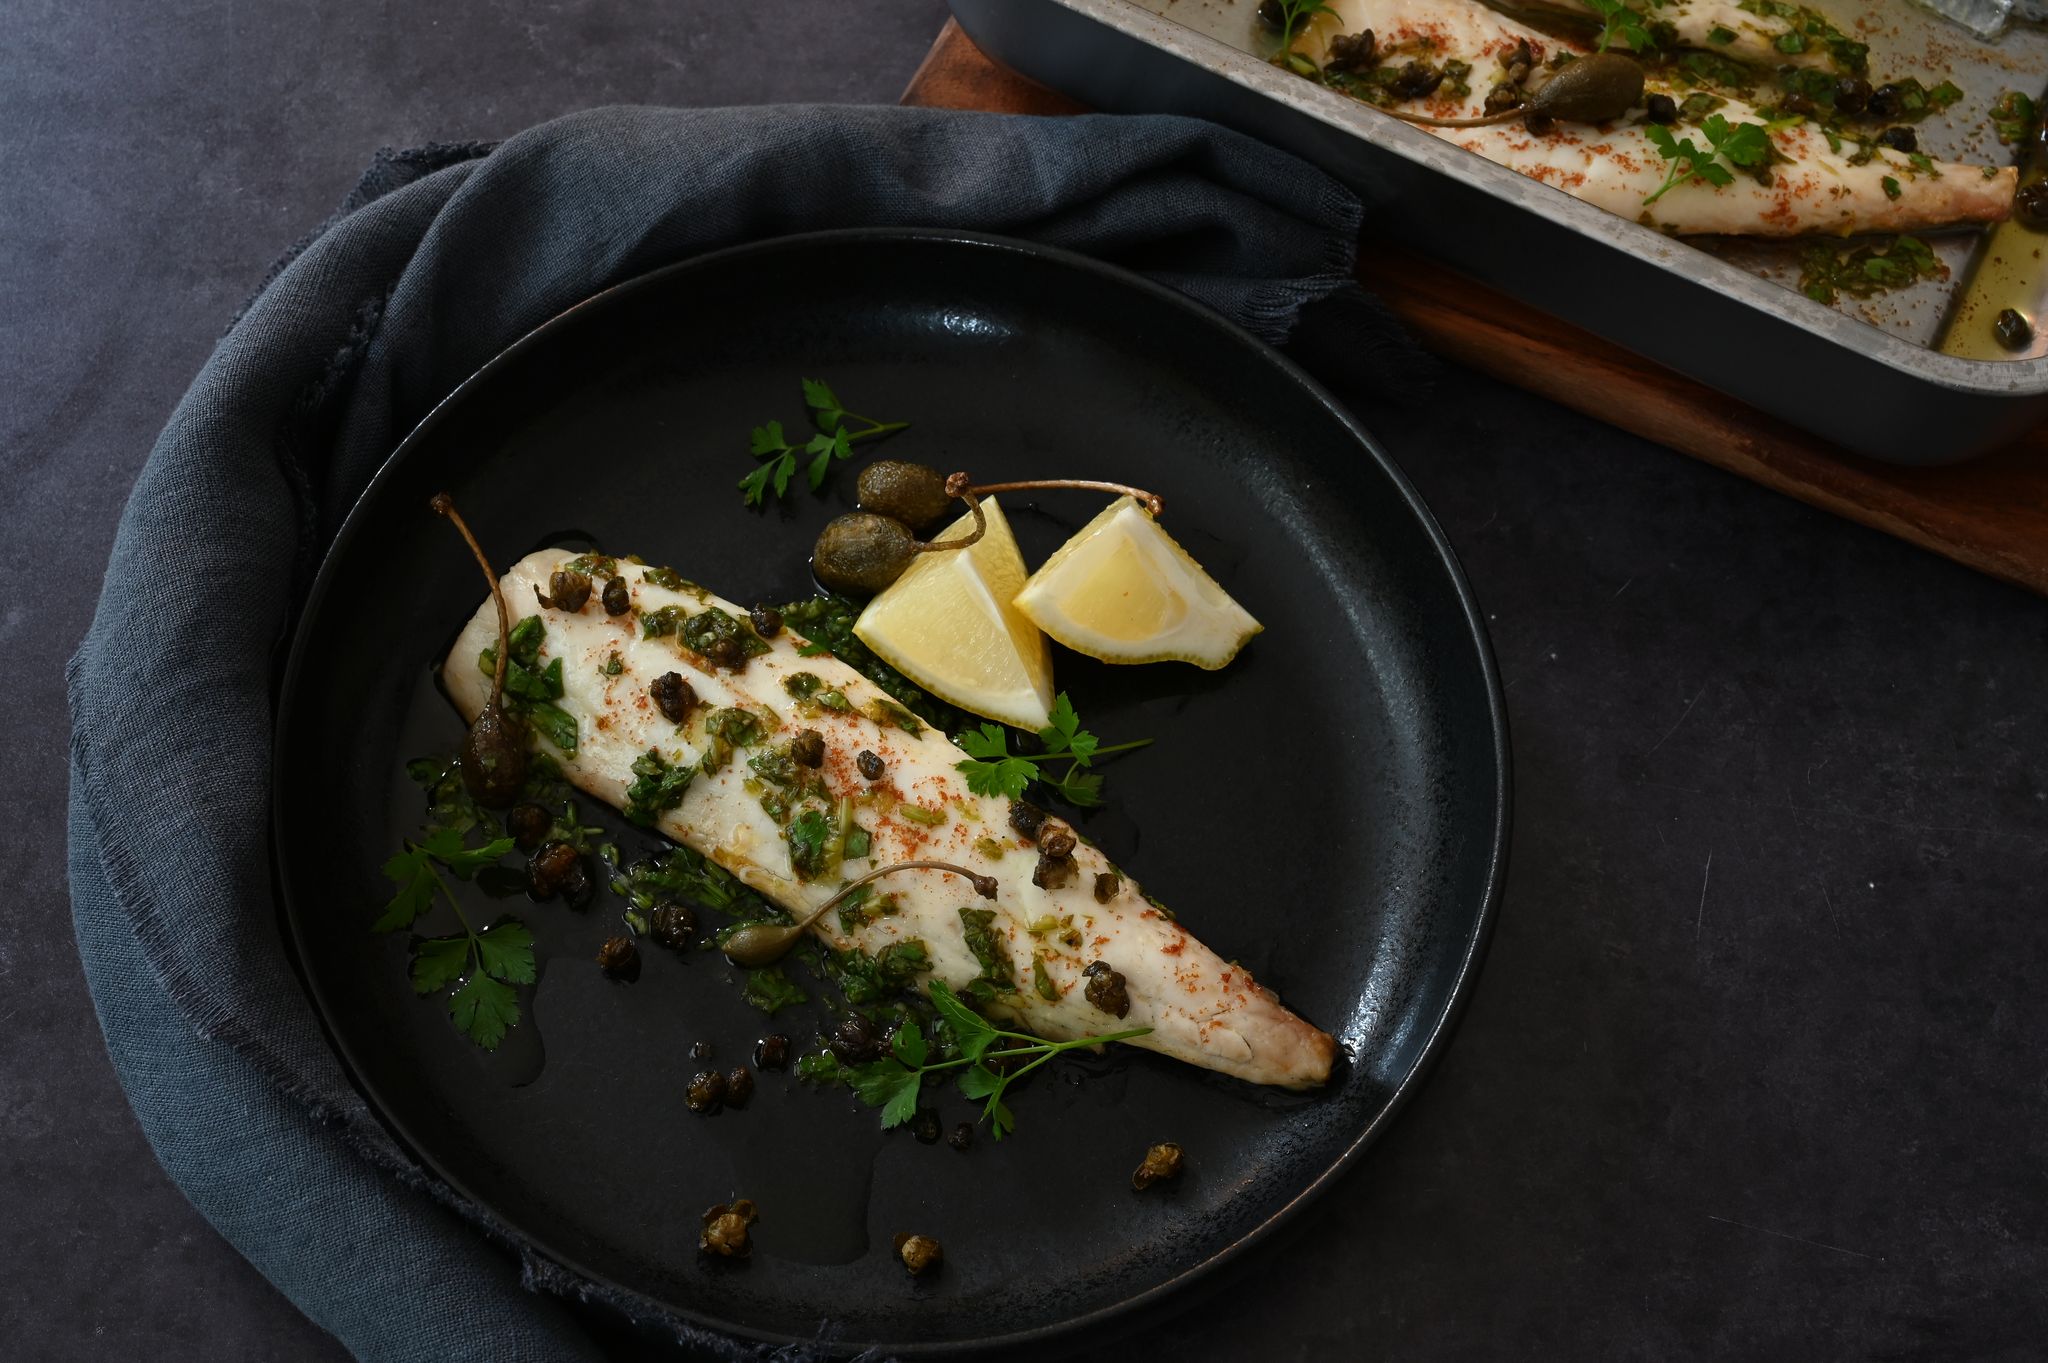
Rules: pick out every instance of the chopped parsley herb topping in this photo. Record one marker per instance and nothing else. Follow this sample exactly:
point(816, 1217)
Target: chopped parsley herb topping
point(827, 623)
point(1827, 271)
point(658, 787)
point(2012, 117)
point(530, 689)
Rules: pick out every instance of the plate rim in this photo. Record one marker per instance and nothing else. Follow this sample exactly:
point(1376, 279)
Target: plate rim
point(1139, 1303)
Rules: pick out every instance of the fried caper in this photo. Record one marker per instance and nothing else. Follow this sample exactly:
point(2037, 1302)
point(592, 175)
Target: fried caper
point(925, 1126)
point(673, 696)
point(771, 1052)
point(706, 1093)
point(1107, 989)
point(619, 959)
point(920, 1253)
point(550, 869)
point(854, 1040)
point(618, 597)
point(808, 748)
point(1352, 51)
point(961, 1137)
point(739, 1086)
point(1027, 819)
point(1108, 885)
point(1852, 95)
point(1900, 138)
point(726, 1229)
point(914, 494)
point(2031, 204)
point(1161, 1162)
point(569, 591)
point(862, 552)
point(529, 824)
point(2012, 329)
point(674, 925)
point(766, 620)
point(871, 766)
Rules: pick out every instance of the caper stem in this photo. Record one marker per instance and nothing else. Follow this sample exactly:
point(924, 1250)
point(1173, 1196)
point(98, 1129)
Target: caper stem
point(971, 537)
point(444, 505)
point(767, 947)
point(1506, 115)
point(960, 485)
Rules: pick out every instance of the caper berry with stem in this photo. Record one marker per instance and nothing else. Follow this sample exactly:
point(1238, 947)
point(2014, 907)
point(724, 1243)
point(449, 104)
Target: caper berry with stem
point(1593, 89)
point(914, 494)
point(494, 750)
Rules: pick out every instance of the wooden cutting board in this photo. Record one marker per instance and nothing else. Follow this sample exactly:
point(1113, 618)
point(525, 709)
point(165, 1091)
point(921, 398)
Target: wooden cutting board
point(1991, 513)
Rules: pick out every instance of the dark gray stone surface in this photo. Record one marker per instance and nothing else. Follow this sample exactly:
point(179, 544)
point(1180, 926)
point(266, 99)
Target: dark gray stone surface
point(1755, 1068)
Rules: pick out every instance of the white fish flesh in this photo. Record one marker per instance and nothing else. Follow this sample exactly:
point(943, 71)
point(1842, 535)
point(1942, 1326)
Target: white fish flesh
point(1201, 1008)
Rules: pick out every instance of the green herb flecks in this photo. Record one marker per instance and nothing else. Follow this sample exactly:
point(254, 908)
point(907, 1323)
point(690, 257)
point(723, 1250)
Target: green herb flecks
point(2012, 117)
point(530, 689)
point(702, 631)
point(838, 431)
point(865, 979)
point(1745, 145)
point(977, 928)
point(826, 623)
point(771, 991)
point(658, 787)
point(1827, 271)
point(988, 1061)
point(995, 770)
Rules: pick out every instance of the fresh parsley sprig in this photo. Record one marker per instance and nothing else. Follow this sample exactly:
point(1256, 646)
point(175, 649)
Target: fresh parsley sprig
point(1740, 144)
point(1289, 17)
point(995, 770)
point(835, 440)
point(988, 1062)
point(483, 964)
point(1623, 23)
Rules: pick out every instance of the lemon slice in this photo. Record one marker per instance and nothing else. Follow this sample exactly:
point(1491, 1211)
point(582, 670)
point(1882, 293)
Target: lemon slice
point(1121, 590)
point(948, 625)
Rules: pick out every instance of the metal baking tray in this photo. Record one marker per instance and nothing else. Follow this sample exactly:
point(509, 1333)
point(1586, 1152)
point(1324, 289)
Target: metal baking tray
point(1865, 375)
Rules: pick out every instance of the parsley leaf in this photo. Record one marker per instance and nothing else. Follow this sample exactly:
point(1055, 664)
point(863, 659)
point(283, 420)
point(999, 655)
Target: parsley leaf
point(485, 1009)
point(771, 991)
point(1741, 144)
point(995, 771)
point(439, 962)
point(833, 443)
point(894, 1082)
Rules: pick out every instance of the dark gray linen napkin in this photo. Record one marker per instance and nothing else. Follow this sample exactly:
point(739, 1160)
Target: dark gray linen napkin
point(441, 257)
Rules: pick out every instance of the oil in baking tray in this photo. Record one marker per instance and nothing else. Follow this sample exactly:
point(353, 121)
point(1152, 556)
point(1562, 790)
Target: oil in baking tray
point(1953, 313)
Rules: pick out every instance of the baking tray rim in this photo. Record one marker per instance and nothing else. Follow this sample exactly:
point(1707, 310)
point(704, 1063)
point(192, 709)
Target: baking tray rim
point(1673, 255)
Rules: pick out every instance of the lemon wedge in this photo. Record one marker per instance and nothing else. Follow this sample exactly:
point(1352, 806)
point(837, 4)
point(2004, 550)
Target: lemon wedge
point(948, 625)
point(1121, 590)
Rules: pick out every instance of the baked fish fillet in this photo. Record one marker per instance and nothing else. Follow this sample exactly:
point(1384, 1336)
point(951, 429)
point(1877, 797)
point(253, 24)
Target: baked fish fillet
point(1201, 1008)
point(1814, 189)
point(1753, 34)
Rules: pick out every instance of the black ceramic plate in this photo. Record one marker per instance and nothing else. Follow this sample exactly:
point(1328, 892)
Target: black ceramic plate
point(1330, 809)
